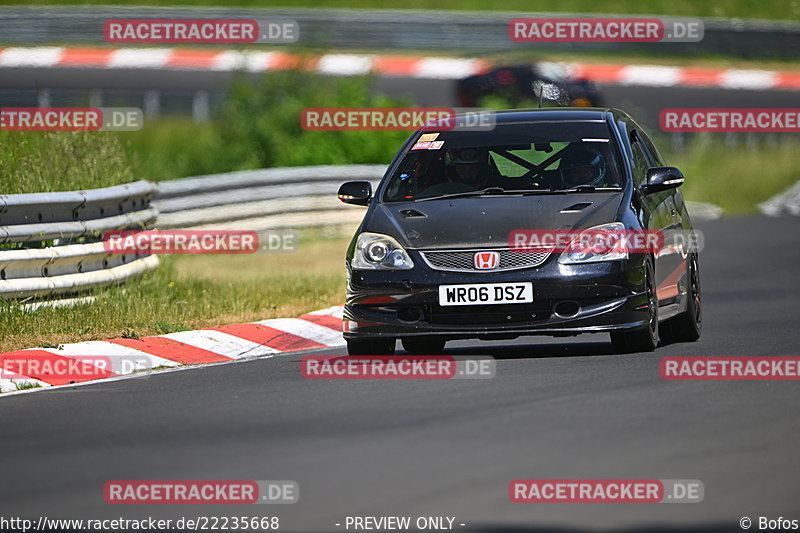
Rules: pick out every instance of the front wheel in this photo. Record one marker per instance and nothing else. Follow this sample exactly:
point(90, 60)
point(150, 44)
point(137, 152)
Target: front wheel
point(371, 347)
point(644, 339)
point(687, 326)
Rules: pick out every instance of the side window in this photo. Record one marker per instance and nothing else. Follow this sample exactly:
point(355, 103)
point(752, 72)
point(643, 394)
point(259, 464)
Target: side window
point(623, 128)
point(641, 159)
point(654, 153)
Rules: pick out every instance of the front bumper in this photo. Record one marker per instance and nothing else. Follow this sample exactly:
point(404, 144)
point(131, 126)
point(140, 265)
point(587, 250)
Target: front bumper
point(606, 296)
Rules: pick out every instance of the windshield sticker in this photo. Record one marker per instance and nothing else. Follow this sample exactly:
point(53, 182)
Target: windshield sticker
point(436, 145)
point(427, 137)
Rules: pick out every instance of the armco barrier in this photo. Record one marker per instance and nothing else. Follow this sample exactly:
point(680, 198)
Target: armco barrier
point(58, 234)
point(49, 242)
point(258, 200)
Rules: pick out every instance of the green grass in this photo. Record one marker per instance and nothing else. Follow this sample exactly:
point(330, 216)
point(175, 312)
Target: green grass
point(735, 178)
point(767, 9)
point(191, 292)
point(58, 161)
point(25, 386)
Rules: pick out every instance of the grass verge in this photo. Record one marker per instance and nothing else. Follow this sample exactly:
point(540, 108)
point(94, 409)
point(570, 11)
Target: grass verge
point(735, 178)
point(61, 161)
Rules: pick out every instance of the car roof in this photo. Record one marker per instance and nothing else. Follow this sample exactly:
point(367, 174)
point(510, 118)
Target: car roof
point(550, 114)
point(547, 114)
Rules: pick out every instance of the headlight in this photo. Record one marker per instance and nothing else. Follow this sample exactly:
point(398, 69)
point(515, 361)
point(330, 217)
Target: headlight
point(380, 252)
point(588, 250)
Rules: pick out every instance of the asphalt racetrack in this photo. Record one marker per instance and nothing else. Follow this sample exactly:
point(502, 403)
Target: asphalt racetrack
point(557, 408)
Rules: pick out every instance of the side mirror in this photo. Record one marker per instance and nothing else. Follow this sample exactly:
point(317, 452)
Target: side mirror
point(661, 179)
point(355, 192)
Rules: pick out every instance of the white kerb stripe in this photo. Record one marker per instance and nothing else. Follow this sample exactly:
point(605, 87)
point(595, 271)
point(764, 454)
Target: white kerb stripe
point(306, 329)
point(251, 61)
point(748, 79)
point(123, 360)
point(140, 58)
point(345, 64)
point(44, 56)
point(445, 68)
point(650, 76)
point(228, 60)
point(258, 61)
point(10, 385)
point(221, 343)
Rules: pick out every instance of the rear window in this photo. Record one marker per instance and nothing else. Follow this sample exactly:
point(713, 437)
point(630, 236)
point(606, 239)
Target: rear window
point(520, 157)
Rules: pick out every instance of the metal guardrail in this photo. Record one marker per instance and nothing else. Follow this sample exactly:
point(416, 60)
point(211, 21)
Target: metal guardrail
point(260, 200)
point(398, 29)
point(257, 200)
point(59, 233)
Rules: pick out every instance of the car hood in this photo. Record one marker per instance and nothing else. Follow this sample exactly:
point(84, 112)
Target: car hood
point(486, 221)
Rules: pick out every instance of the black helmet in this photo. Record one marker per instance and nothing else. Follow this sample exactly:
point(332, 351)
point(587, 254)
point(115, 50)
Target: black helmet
point(584, 165)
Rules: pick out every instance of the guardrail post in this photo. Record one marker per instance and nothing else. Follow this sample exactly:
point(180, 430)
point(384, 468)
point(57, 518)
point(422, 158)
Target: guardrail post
point(152, 104)
point(43, 98)
point(95, 98)
point(201, 111)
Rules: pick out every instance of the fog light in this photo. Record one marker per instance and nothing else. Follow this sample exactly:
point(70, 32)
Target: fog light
point(567, 309)
point(409, 314)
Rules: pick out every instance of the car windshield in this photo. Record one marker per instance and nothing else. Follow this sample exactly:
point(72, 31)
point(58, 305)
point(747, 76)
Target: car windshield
point(534, 157)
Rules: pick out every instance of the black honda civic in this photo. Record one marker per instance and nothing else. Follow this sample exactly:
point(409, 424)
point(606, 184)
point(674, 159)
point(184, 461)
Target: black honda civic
point(479, 233)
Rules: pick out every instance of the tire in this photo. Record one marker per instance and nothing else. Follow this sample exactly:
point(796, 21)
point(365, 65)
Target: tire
point(643, 339)
point(371, 347)
point(424, 346)
point(687, 326)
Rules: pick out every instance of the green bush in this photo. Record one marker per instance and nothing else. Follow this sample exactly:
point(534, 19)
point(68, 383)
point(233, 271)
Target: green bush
point(259, 126)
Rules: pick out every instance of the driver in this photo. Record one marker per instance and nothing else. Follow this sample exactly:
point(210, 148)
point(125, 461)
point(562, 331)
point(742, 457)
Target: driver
point(584, 165)
point(467, 167)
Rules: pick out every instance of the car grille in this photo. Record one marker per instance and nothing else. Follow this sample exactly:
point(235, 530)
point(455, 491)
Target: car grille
point(464, 260)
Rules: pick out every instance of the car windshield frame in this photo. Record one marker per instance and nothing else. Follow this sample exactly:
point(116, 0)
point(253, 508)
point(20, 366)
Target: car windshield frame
point(503, 141)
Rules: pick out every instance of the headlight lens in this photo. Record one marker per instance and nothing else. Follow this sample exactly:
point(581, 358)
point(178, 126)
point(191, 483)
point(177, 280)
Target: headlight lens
point(380, 252)
point(579, 252)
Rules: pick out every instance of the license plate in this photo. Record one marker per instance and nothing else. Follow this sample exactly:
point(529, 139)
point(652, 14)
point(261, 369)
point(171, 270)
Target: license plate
point(486, 293)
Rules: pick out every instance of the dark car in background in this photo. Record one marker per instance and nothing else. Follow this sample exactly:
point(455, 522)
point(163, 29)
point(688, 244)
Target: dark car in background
point(431, 260)
point(519, 83)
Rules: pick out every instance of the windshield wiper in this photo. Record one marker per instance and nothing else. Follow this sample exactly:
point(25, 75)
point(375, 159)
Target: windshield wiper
point(484, 192)
point(589, 188)
point(497, 191)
